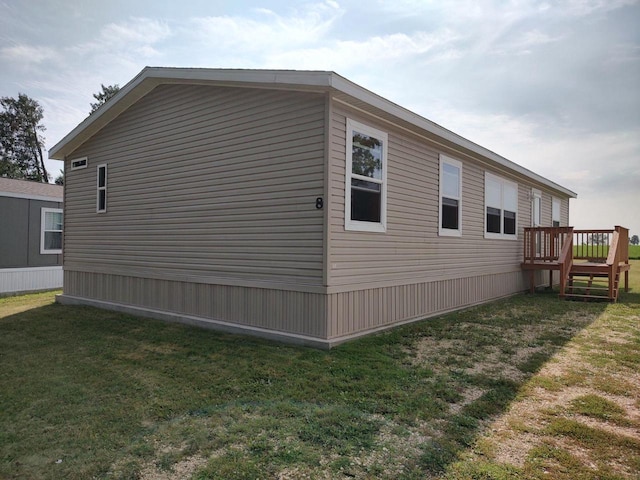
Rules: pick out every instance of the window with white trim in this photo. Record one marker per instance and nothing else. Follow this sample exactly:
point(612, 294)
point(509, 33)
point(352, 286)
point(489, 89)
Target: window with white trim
point(501, 207)
point(78, 163)
point(450, 197)
point(51, 231)
point(536, 208)
point(366, 178)
point(101, 189)
point(555, 212)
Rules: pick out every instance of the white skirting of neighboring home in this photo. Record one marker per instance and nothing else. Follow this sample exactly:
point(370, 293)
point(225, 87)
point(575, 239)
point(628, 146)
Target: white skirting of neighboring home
point(17, 280)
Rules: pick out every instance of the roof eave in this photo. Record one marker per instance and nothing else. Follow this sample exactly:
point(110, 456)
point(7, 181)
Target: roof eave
point(345, 86)
point(150, 77)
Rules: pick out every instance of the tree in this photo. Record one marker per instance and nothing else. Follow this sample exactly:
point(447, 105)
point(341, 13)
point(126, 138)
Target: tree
point(598, 239)
point(366, 156)
point(634, 240)
point(21, 140)
point(106, 93)
point(60, 178)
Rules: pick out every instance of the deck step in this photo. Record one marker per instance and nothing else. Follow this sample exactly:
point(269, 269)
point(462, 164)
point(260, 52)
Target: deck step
point(585, 298)
point(584, 287)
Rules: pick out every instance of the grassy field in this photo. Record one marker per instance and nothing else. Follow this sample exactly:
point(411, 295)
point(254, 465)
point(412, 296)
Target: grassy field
point(530, 387)
point(634, 251)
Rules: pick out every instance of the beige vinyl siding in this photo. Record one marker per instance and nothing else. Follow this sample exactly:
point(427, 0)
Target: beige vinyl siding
point(411, 250)
point(216, 184)
point(298, 313)
point(564, 212)
point(357, 312)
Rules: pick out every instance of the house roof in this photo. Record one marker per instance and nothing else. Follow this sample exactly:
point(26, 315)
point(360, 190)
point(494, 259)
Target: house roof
point(342, 89)
point(30, 189)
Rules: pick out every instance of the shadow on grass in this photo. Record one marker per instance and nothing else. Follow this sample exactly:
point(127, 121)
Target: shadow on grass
point(111, 394)
point(630, 297)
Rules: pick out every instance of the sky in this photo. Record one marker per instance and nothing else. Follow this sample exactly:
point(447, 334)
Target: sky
point(551, 85)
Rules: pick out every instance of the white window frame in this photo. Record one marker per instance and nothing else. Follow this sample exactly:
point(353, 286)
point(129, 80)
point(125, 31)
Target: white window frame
point(450, 232)
point(536, 195)
point(503, 182)
point(101, 188)
point(556, 201)
point(83, 161)
point(358, 225)
point(43, 215)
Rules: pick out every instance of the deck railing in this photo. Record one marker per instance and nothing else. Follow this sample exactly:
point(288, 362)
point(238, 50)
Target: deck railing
point(544, 244)
point(555, 248)
point(592, 245)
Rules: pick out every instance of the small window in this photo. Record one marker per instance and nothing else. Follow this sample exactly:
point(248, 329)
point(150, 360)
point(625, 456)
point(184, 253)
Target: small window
point(101, 201)
point(79, 163)
point(450, 196)
point(366, 172)
point(51, 231)
point(501, 207)
point(555, 212)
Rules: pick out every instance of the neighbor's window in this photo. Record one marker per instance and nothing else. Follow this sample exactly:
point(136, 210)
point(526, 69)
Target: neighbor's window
point(501, 206)
point(366, 172)
point(101, 194)
point(450, 196)
point(555, 212)
point(51, 231)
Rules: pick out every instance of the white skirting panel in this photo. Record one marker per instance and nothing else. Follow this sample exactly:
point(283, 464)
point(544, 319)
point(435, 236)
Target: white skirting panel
point(15, 280)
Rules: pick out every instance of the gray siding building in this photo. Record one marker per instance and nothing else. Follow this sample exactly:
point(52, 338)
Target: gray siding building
point(292, 205)
point(30, 236)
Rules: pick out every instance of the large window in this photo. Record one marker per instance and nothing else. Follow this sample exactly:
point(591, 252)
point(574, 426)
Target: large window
point(366, 178)
point(501, 207)
point(555, 212)
point(101, 193)
point(51, 231)
point(450, 196)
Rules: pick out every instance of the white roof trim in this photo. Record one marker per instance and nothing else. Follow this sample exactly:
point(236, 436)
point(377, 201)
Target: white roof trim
point(150, 77)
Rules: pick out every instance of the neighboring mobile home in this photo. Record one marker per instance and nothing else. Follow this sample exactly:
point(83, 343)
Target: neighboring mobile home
point(30, 236)
point(288, 204)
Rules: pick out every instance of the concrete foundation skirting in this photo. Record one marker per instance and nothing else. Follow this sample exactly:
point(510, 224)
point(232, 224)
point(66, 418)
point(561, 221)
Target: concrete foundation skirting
point(208, 323)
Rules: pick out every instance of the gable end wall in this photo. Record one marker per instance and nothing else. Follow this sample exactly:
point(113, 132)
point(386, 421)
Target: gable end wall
point(211, 208)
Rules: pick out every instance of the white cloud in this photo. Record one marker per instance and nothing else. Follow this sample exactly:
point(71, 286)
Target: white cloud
point(26, 55)
point(588, 7)
point(377, 52)
point(128, 38)
point(269, 32)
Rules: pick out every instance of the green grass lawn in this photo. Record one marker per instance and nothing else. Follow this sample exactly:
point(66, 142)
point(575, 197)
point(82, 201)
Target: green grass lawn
point(582, 250)
point(87, 393)
point(634, 251)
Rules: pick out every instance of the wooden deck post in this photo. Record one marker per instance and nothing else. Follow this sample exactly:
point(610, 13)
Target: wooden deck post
point(532, 280)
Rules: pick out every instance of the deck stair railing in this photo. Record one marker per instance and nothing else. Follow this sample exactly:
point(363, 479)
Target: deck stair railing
point(589, 262)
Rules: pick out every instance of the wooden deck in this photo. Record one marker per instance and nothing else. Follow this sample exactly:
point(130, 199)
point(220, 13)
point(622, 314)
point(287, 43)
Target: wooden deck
point(592, 270)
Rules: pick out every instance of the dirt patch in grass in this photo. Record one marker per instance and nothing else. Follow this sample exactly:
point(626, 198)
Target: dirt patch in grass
point(469, 395)
point(579, 415)
point(181, 470)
